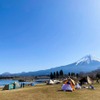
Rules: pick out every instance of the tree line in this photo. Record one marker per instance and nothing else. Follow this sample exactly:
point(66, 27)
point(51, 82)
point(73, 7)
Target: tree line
point(60, 74)
point(56, 74)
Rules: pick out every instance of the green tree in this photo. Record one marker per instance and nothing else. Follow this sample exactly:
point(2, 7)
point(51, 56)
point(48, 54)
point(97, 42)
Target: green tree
point(77, 75)
point(57, 74)
point(69, 74)
point(72, 74)
point(61, 73)
point(51, 76)
point(54, 75)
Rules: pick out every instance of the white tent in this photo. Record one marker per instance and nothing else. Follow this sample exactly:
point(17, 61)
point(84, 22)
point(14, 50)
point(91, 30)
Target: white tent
point(50, 82)
point(67, 87)
point(89, 80)
point(77, 86)
point(56, 81)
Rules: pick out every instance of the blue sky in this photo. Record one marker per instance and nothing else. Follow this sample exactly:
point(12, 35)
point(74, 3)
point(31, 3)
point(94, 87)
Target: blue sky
point(40, 34)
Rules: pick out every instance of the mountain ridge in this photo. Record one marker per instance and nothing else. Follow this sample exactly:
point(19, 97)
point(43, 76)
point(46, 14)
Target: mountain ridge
point(87, 63)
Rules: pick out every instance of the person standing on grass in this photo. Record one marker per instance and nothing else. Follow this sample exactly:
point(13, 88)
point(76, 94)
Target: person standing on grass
point(23, 85)
point(14, 85)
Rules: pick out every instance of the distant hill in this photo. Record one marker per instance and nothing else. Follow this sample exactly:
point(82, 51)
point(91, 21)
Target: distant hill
point(6, 74)
point(85, 64)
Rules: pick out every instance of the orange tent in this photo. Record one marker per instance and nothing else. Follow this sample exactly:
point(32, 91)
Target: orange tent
point(71, 81)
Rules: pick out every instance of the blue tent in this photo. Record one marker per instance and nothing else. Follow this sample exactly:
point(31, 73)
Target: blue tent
point(11, 86)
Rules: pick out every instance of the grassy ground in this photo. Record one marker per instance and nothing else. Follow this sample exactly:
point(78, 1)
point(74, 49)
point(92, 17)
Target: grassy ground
point(50, 92)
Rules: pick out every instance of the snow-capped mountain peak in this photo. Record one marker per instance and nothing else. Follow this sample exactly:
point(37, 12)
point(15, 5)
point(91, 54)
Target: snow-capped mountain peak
point(87, 59)
point(86, 64)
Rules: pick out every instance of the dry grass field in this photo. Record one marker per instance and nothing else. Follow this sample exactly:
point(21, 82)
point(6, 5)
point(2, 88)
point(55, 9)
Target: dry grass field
point(50, 92)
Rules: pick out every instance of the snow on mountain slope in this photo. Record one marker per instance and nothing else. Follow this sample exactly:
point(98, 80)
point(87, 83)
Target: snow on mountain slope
point(87, 59)
point(85, 64)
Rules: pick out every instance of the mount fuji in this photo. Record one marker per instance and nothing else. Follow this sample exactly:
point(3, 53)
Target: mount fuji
point(86, 64)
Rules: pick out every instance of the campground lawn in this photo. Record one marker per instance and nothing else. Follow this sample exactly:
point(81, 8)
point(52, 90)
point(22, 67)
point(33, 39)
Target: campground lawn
point(50, 92)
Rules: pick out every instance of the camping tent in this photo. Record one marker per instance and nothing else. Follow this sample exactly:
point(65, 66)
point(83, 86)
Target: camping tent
point(11, 86)
point(77, 86)
point(89, 80)
point(86, 80)
point(68, 84)
point(56, 81)
point(50, 82)
point(67, 87)
point(16, 85)
point(8, 87)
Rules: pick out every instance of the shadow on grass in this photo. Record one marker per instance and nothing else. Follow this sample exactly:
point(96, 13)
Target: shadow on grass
point(64, 91)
